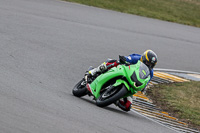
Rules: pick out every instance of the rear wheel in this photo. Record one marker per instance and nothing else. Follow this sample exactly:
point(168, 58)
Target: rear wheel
point(111, 95)
point(80, 89)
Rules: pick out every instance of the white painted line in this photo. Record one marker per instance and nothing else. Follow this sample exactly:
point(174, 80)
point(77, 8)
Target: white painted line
point(195, 75)
point(178, 71)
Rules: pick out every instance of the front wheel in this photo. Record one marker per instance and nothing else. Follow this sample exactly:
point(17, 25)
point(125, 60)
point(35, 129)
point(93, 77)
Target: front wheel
point(80, 89)
point(111, 95)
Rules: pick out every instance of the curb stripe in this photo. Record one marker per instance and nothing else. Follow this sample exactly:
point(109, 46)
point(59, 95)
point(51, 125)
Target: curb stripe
point(169, 77)
point(154, 121)
point(143, 105)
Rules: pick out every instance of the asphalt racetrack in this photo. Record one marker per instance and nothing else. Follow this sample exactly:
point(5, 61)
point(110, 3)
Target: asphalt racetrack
point(45, 48)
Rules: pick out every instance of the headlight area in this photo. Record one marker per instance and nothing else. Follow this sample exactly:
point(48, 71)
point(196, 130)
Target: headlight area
point(134, 79)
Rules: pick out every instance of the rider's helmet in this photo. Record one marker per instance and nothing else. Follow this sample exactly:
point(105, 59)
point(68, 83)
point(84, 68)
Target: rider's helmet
point(149, 58)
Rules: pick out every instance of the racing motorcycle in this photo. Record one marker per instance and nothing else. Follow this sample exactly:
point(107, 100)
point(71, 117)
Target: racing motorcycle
point(118, 82)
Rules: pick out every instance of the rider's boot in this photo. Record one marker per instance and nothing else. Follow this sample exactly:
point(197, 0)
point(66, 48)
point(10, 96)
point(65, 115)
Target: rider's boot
point(101, 68)
point(92, 72)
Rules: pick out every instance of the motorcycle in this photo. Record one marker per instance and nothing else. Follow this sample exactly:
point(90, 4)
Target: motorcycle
point(118, 82)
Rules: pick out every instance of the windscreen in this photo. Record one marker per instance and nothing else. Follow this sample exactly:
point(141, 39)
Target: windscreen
point(144, 71)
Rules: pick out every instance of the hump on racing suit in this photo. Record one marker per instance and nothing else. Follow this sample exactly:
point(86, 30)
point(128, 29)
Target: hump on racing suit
point(133, 59)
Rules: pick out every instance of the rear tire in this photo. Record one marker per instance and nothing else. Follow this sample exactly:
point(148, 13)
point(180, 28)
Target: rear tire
point(105, 99)
point(80, 90)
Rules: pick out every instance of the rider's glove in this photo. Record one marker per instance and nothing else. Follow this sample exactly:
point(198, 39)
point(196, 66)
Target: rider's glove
point(122, 59)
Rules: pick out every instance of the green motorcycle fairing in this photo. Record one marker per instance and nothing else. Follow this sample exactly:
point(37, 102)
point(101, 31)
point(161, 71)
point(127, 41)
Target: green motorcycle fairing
point(135, 78)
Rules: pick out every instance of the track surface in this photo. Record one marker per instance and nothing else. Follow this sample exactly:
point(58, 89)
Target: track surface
point(45, 47)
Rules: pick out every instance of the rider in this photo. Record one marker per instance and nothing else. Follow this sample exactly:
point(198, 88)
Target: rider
point(149, 58)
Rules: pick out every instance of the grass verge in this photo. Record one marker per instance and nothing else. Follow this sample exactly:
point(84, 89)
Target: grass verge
point(179, 11)
point(181, 100)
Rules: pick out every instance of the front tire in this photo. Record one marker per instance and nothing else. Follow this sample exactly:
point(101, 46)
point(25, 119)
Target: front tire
point(111, 95)
point(80, 89)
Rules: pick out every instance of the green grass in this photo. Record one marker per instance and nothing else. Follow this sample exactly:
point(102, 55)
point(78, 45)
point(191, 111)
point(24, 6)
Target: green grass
point(179, 11)
point(180, 99)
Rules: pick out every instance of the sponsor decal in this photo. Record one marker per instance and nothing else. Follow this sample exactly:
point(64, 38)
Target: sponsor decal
point(144, 72)
point(110, 65)
point(129, 57)
point(153, 59)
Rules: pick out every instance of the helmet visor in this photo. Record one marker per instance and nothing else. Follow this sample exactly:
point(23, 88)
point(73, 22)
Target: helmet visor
point(149, 64)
